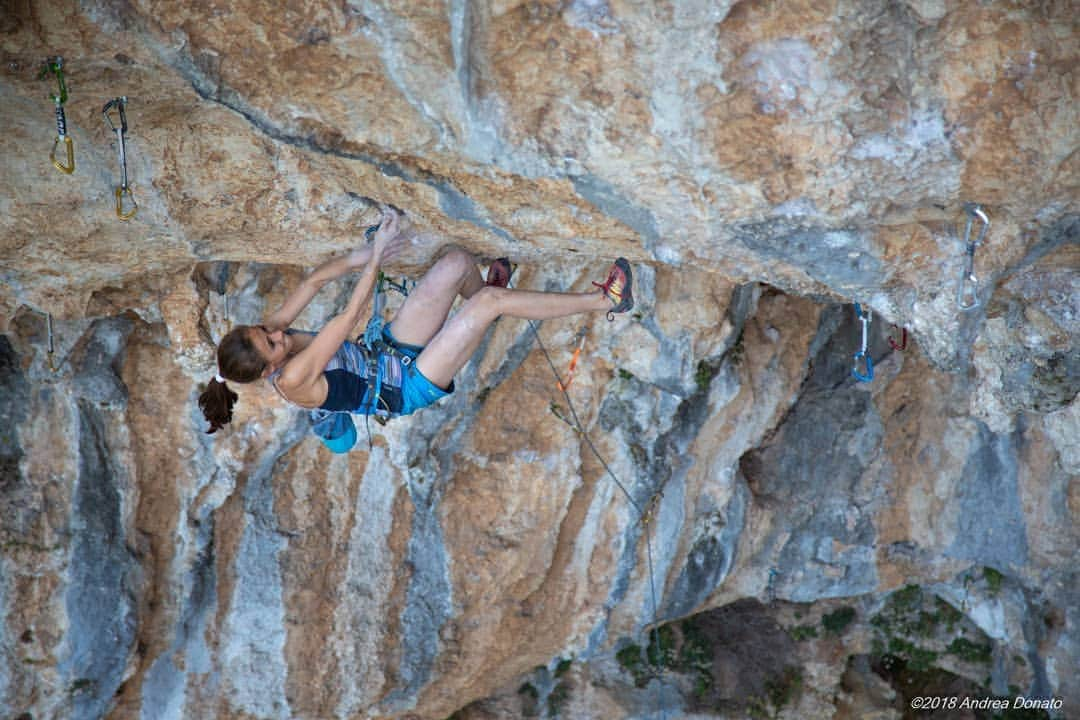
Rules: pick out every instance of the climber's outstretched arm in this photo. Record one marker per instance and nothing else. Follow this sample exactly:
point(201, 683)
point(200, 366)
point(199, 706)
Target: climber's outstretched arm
point(302, 380)
point(330, 270)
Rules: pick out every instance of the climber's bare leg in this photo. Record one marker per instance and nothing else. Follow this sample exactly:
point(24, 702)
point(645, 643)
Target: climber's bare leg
point(425, 309)
point(452, 346)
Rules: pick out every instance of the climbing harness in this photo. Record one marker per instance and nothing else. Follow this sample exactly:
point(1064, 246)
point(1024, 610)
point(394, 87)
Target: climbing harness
point(864, 353)
point(377, 348)
point(383, 365)
point(563, 385)
point(56, 66)
point(123, 189)
point(902, 345)
point(967, 293)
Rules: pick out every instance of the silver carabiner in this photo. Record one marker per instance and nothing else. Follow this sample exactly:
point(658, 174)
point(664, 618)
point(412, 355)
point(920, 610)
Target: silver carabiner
point(967, 293)
point(864, 354)
point(118, 103)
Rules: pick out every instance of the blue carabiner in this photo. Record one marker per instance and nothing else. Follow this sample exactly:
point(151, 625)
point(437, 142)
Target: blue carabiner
point(863, 355)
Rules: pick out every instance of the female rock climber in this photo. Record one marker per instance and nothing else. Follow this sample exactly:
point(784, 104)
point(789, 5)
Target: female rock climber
point(414, 362)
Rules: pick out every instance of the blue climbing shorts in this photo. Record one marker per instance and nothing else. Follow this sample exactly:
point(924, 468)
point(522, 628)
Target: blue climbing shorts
point(416, 390)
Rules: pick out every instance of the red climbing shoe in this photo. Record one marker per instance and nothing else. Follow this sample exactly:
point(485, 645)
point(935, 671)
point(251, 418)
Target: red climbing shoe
point(618, 287)
point(500, 272)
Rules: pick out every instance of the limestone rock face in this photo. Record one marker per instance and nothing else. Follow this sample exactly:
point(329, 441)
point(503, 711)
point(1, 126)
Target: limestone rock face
point(761, 165)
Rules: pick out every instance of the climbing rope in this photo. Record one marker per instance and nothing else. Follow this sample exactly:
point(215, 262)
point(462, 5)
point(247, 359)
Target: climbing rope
point(644, 514)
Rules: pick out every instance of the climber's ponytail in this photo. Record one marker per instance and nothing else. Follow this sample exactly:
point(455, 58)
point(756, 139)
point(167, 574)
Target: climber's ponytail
point(217, 403)
point(237, 357)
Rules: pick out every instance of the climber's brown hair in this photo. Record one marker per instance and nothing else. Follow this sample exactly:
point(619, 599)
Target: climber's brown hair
point(237, 360)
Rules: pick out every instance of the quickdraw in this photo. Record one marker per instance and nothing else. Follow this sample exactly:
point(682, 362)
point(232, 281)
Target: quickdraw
point(967, 583)
point(651, 506)
point(967, 293)
point(564, 384)
point(50, 348)
point(864, 353)
point(770, 585)
point(223, 288)
point(51, 351)
point(376, 348)
point(123, 189)
point(56, 67)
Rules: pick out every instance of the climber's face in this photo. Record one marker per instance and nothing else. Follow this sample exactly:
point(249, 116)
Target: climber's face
point(272, 346)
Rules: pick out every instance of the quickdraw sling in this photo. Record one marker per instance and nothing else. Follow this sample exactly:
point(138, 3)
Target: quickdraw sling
point(378, 351)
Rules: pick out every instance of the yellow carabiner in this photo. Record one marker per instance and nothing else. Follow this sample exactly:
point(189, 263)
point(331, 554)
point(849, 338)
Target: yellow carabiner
point(70, 167)
point(120, 192)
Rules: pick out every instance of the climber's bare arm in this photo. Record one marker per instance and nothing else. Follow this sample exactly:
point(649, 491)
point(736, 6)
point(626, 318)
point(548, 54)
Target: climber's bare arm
point(302, 379)
point(330, 270)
